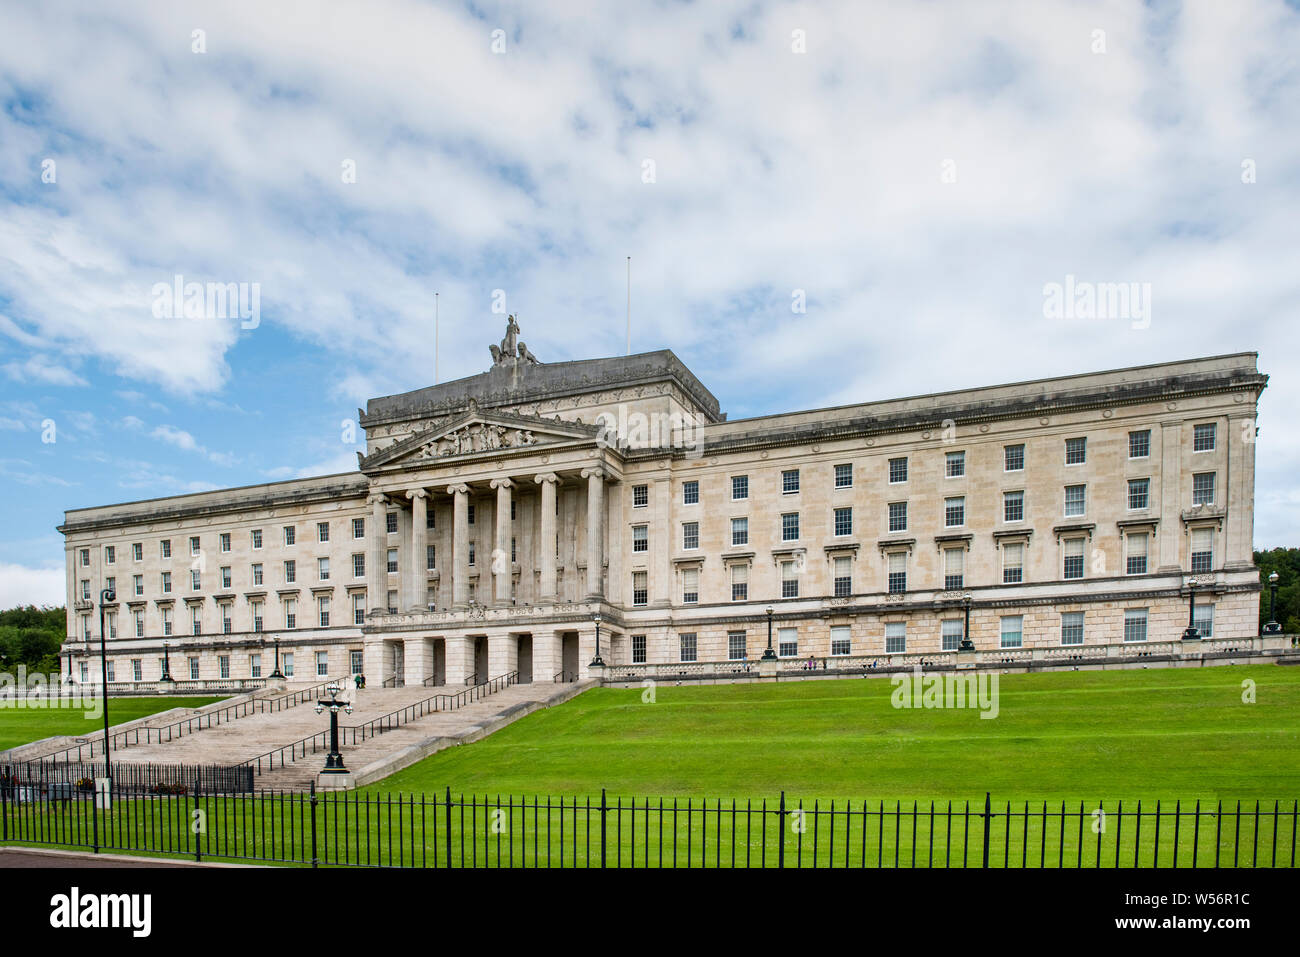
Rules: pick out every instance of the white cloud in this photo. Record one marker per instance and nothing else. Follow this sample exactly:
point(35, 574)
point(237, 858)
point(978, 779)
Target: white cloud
point(23, 585)
point(39, 369)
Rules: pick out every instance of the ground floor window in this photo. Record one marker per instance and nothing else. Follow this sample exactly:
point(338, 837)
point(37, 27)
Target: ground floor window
point(1072, 628)
point(255, 666)
point(358, 662)
point(951, 630)
point(194, 669)
point(223, 665)
point(688, 652)
point(137, 669)
point(322, 664)
point(286, 664)
point(788, 642)
point(638, 649)
point(112, 672)
point(841, 643)
point(1203, 618)
point(895, 637)
point(736, 646)
point(1012, 634)
point(1135, 624)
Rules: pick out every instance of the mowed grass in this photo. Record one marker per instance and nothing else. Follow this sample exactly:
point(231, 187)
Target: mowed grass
point(1169, 734)
point(25, 725)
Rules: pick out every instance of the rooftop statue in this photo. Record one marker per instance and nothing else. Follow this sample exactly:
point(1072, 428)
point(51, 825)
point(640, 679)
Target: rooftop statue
point(511, 351)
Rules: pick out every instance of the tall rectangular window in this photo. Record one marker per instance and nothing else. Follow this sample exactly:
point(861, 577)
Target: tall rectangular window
point(358, 564)
point(736, 646)
point(689, 652)
point(323, 610)
point(895, 637)
point(954, 464)
point(740, 531)
point(256, 538)
point(1013, 563)
point(1203, 437)
point(165, 548)
point(1139, 491)
point(690, 586)
point(898, 470)
point(110, 554)
point(1139, 444)
point(1135, 562)
point(897, 572)
point(843, 521)
point(1203, 619)
point(358, 528)
point(691, 493)
point(322, 664)
point(256, 608)
point(739, 487)
point(1013, 506)
point(844, 476)
point(690, 535)
point(640, 538)
point(194, 545)
point(290, 572)
point(1013, 458)
point(898, 516)
point(789, 580)
point(950, 633)
point(225, 577)
point(1076, 451)
point(290, 534)
point(224, 541)
point(223, 666)
point(322, 531)
point(290, 613)
point(787, 642)
point(638, 649)
point(640, 588)
point(358, 609)
point(1076, 499)
point(323, 569)
point(1135, 624)
point(196, 620)
point(226, 624)
point(843, 576)
point(1072, 628)
point(954, 568)
point(841, 640)
point(431, 557)
point(954, 512)
point(1202, 549)
point(739, 582)
point(790, 527)
point(640, 496)
point(1073, 567)
point(789, 481)
point(137, 551)
point(391, 556)
point(1011, 634)
point(1203, 488)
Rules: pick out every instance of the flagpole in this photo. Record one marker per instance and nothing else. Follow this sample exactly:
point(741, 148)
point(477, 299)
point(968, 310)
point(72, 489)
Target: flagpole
point(629, 305)
point(435, 338)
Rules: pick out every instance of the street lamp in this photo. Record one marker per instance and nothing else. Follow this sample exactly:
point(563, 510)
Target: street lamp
point(769, 655)
point(277, 673)
point(597, 661)
point(966, 643)
point(334, 760)
point(105, 596)
point(1272, 627)
point(167, 662)
point(1190, 633)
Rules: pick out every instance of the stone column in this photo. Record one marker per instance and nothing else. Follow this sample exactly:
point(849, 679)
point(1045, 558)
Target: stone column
point(546, 547)
point(1238, 492)
point(418, 577)
point(1170, 534)
point(417, 660)
point(459, 652)
point(595, 477)
point(376, 566)
point(501, 568)
point(460, 550)
point(503, 654)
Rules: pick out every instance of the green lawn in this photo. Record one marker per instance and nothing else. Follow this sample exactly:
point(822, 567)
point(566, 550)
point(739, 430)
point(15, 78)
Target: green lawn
point(1165, 734)
point(24, 725)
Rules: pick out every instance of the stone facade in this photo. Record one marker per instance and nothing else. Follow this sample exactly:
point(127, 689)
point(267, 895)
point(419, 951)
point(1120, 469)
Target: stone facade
point(492, 519)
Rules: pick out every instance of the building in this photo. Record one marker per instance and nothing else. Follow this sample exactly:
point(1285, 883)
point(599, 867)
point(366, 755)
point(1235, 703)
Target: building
point(492, 519)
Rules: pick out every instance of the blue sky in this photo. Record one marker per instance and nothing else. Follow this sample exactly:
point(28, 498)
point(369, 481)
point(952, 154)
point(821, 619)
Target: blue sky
point(918, 171)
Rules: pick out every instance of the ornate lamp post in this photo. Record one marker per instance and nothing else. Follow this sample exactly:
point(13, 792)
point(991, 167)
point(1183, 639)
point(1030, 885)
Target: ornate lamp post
point(1272, 627)
point(966, 643)
point(1190, 633)
point(277, 673)
point(334, 760)
point(106, 595)
point(769, 655)
point(597, 661)
point(167, 662)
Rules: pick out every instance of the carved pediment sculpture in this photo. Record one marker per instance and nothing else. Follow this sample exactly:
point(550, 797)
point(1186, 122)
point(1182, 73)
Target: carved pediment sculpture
point(477, 437)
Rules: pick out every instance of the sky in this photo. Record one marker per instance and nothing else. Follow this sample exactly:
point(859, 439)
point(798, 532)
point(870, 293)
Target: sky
point(824, 203)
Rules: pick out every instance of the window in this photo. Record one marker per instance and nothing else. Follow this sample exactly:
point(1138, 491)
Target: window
point(391, 599)
point(358, 564)
point(640, 587)
point(392, 560)
point(690, 535)
point(137, 584)
point(1011, 634)
point(256, 607)
point(1203, 437)
point(1138, 493)
point(323, 569)
point(289, 534)
point(1013, 506)
point(896, 637)
point(290, 572)
point(691, 493)
point(1076, 451)
point(640, 538)
point(690, 585)
point(1013, 458)
point(1203, 488)
point(291, 613)
point(897, 470)
point(897, 572)
point(787, 642)
point(223, 665)
point(1202, 549)
point(137, 669)
point(640, 496)
point(139, 624)
point(841, 642)
point(137, 551)
point(955, 464)
point(196, 620)
point(322, 664)
point(165, 548)
point(358, 528)
point(688, 647)
point(322, 531)
point(469, 514)
point(898, 516)
point(954, 512)
point(1136, 561)
point(1139, 444)
point(112, 672)
point(843, 576)
point(1135, 624)
point(85, 558)
point(735, 646)
point(257, 538)
point(286, 663)
point(431, 555)
point(954, 568)
point(225, 576)
point(1076, 499)
point(739, 487)
point(1072, 628)
point(844, 476)
point(950, 633)
point(166, 583)
point(789, 580)
point(739, 582)
point(1013, 563)
point(843, 521)
point(224, 540)
point(85, 589)
point(255, 666)
point(194, 545)
point(390, 520)
point(789, 481)
point(110, 554)
point(323, 609)
point(225, 618)
point(740, 531)
point(470, 556)
point(790, 527)
point(1203, 619)
point(1073, 567)
point(194, 669)
point(638, 649)
point(112, 625)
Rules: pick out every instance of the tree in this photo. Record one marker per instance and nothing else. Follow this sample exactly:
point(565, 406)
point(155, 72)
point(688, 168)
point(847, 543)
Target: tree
point(1286, 562)
point(30, 637)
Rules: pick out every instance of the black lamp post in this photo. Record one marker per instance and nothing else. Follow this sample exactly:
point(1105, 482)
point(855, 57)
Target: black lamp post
point(334, 760)
point(966, 643)
point(106, 595)
point(597, 661)
point(1272, 627)
point(1190, 633)
point(167, 662)
point(277, 673)
point(769, 655)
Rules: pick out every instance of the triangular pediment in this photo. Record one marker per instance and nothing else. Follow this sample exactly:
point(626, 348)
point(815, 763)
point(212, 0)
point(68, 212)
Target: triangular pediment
point(480, 433)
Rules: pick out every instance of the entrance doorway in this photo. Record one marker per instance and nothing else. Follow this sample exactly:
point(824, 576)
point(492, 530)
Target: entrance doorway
point(439, 661)
point(480, 660)
point(525, 658)
point(569, 656)
point(397, 678)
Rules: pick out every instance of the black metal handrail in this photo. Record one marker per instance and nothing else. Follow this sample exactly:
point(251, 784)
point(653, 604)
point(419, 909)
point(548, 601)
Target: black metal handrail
point(354, 734)
point(565, 676)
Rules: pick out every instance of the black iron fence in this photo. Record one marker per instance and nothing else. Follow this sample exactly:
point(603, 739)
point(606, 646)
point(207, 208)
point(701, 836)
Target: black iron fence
point(311, 828)
point(57, 779)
